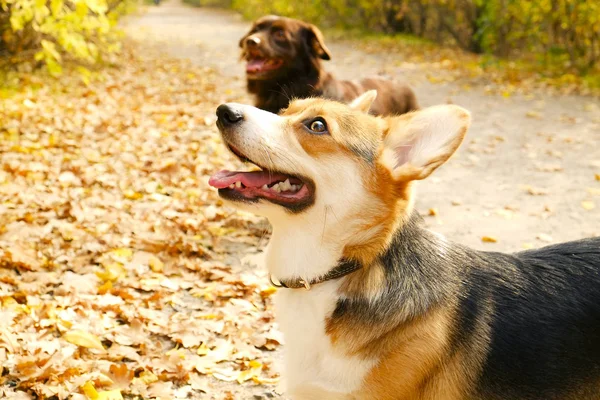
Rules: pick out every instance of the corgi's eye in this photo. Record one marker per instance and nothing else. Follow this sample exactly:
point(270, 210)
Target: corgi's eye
point(317, 126)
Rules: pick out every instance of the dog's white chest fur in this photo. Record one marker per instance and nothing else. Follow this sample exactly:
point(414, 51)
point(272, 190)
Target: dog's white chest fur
point(310, 358)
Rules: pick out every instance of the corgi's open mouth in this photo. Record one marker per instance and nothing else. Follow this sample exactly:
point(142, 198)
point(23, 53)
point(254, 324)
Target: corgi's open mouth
point(291, 191)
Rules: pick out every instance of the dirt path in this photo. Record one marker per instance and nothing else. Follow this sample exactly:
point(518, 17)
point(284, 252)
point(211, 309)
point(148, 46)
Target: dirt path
point(525, 176)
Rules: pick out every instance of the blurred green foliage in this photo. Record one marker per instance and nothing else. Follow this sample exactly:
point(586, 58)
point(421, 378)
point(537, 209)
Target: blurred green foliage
point(48, 31)
point(556, 33)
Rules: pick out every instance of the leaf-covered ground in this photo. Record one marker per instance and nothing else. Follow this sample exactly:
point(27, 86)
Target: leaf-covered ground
point(116, 267)
point(123, 275)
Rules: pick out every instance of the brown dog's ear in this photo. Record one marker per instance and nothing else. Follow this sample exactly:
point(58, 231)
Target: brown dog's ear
point(417, 144)
point(316, 43)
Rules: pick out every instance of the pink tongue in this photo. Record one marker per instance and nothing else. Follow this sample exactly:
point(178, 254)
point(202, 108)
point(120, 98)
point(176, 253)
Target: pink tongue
point(256, 179)
point(255, 65)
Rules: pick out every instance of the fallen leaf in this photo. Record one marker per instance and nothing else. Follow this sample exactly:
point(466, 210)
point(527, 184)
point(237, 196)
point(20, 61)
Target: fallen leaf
point(112, 272)
point(433, 212)
point(147, 378)
point(533, 114)
point(535, 191)
point(92, 394)
point(594, 191)
point(155, 264)
point(132, 194)
point(120, 375)
point(110, 395)
point(83, 339)
point(489, 239)
point(105, 287)
point(268, 291)
point(588, 205)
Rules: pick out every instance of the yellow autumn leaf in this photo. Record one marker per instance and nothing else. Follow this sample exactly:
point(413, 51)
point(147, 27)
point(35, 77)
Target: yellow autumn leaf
point(112, 272)
point(83, 339)
point(132, 194)
point(207, 316)
point(597, 176)
point(489, 239)
point(533, 114)
point(246, 375)
point(433, 212)
point(265, 381)
point(105, 287)
point(92, 394)
point(122, 252)
point(110, 395)
point(203, 350)
point(89, 390)
point(588, 205)
point(155, 264)
point(268, 291)
point(147, 377)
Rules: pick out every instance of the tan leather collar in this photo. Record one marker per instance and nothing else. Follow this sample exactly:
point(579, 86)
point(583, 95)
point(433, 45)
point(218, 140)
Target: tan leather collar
point(343, 268)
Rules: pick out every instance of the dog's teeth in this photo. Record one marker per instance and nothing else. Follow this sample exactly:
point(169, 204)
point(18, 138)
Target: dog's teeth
point(238, 184)
point(231, 186)
point(265, 187)
point(277, 188)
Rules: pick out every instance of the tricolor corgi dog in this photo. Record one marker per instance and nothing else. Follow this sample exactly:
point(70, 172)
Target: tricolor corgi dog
point(372, 305)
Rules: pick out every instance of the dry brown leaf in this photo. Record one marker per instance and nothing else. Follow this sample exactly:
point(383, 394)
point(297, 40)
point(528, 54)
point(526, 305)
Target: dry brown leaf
point(535, 191)
point(120, 375)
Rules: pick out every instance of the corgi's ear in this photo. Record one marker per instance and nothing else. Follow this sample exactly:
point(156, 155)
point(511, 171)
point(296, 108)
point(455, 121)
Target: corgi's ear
point(364, 101)
point(418, 143)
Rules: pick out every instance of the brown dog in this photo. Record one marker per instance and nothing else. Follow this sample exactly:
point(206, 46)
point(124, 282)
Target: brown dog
point(284, 61)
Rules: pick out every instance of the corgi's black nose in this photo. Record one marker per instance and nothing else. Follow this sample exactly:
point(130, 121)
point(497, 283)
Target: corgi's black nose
point(229, 115)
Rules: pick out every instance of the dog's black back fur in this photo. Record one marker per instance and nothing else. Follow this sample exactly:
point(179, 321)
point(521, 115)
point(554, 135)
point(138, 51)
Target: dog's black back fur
point(545, 340)
point(530, 320)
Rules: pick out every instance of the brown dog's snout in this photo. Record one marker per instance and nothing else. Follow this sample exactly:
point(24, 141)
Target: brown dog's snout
point(228, 115)
point(252, 41)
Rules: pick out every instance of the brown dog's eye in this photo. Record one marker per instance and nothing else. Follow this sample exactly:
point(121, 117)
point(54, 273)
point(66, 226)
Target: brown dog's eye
point(317, 126)
point(279, 34)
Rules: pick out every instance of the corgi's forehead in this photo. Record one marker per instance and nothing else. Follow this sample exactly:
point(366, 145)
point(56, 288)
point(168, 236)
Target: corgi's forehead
point(356, 131)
